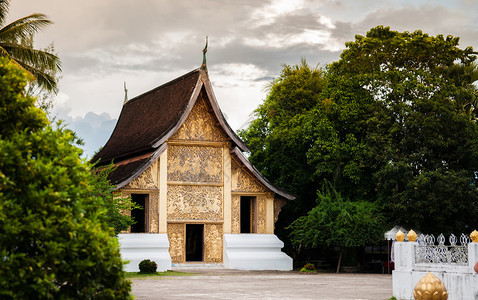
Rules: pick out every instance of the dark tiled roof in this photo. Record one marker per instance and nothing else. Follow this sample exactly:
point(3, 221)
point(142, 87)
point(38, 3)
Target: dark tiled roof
point(146, 118)
point(124, 171)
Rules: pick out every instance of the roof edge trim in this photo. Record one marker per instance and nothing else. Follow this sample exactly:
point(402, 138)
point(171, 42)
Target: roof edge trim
point(143, 168)
point(259, 176)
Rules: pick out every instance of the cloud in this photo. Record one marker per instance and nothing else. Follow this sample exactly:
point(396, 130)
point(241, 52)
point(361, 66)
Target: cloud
point(150, 42)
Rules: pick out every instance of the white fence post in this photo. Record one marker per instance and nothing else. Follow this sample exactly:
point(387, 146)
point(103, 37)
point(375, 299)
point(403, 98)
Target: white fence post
point(402, 275)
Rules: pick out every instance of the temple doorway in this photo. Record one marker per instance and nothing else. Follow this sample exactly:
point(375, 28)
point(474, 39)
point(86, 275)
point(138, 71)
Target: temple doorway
point(194, 242)
point(248, 214)
point(139, 214)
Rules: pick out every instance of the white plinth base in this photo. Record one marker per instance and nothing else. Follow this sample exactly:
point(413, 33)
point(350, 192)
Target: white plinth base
point(136, 247)
point(255, 252)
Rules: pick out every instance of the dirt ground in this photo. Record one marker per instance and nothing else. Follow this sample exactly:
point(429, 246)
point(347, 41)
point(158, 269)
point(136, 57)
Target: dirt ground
point(235, 284)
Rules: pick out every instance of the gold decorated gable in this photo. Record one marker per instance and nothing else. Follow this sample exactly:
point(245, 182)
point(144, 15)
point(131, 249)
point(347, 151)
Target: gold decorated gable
point(200, 125)
point(195, 164)
point(243, 181)
point(147, 180)
point(189, 202)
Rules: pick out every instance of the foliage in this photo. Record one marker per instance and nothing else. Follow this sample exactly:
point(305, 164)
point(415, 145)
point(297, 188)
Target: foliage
point(422, 147)
point(393, 122)
point(276, 137)
point(115, 204)
point(308, 268)
point(54, 240)
point(147, 266)
point(42, 66)
point(336, 221)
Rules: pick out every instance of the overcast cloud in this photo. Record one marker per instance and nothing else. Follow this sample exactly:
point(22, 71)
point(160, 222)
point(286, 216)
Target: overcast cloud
point(146, 43)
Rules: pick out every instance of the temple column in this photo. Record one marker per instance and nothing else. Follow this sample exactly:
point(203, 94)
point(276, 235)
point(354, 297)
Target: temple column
point(270, 214)
point(227, 190)
point(163, 191)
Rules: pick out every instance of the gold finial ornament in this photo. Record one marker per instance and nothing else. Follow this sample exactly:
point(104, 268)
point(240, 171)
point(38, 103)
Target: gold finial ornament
point(400, 237)
point(430, 287)
point(412, 236)
point(474, 236)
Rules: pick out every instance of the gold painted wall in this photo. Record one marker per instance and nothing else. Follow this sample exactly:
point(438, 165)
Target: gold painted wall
point(190, 202)
point(177, 240)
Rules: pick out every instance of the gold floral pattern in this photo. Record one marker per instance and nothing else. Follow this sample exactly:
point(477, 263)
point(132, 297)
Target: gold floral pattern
point(176, 236)
point(200, 125)
point(242, 181)
point(261, 214)
point(195, 202)
point(195, 164)
point(213, 243)
point(144, 181)
point(236, 214)
point(153, 213)
point(278, 204)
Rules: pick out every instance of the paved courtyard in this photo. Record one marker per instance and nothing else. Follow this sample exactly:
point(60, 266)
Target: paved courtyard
point(234, 284)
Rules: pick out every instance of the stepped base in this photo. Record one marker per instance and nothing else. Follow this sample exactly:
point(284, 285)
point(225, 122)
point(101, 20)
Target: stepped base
point(136, 247)
point(255, 252)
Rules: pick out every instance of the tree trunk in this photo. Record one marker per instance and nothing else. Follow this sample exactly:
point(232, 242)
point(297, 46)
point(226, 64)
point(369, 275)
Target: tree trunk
point(341, 251)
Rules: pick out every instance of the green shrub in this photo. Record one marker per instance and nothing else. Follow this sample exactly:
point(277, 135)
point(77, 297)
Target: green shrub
point(308, 268)
point(54, 239)
point(147, 266)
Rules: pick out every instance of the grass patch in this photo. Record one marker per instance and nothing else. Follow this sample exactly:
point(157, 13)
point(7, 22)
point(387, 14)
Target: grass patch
point(133, 275)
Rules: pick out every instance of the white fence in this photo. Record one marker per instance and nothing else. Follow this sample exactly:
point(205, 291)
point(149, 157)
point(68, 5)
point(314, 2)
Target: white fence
point(453, 264)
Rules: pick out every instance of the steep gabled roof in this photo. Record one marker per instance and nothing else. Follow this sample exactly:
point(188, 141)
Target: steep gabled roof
point(148, 120)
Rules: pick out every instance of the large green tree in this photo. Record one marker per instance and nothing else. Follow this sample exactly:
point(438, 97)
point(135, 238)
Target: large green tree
point(276, 137)
point(55, 242)
point(15, 43)
point(393, 122)
point(424, 142)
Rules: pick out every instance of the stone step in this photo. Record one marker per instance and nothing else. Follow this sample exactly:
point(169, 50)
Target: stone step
point(196, 266)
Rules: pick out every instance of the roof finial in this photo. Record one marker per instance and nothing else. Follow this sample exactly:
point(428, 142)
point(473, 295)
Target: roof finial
point(125, 93)
point(204, 56)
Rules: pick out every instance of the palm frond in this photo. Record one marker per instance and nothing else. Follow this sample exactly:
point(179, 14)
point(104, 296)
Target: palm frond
point(40, 64)
point(4, 5)
point(23, 28)
point(43, 79)
point(37, 58)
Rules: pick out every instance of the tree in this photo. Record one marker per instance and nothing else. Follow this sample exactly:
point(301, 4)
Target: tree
point(116, 206)
point(276, 138)
point(425, 143)
point(336, 221)
point(54, 239)
point(41, 65)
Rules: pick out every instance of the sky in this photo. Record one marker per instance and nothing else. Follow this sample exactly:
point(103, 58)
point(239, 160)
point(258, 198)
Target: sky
point(146, 43)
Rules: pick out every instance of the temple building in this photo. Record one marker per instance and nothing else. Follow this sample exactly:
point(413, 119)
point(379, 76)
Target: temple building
point(204, 203)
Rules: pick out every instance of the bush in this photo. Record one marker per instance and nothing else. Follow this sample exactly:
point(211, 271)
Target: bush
point(54, 239)
point(147, 266)
point(308, 268)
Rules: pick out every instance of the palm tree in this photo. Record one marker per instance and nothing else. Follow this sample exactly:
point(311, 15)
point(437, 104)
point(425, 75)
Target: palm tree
point(41, 65)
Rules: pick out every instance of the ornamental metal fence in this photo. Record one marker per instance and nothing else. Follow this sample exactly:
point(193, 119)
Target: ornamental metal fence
point(427, 252)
